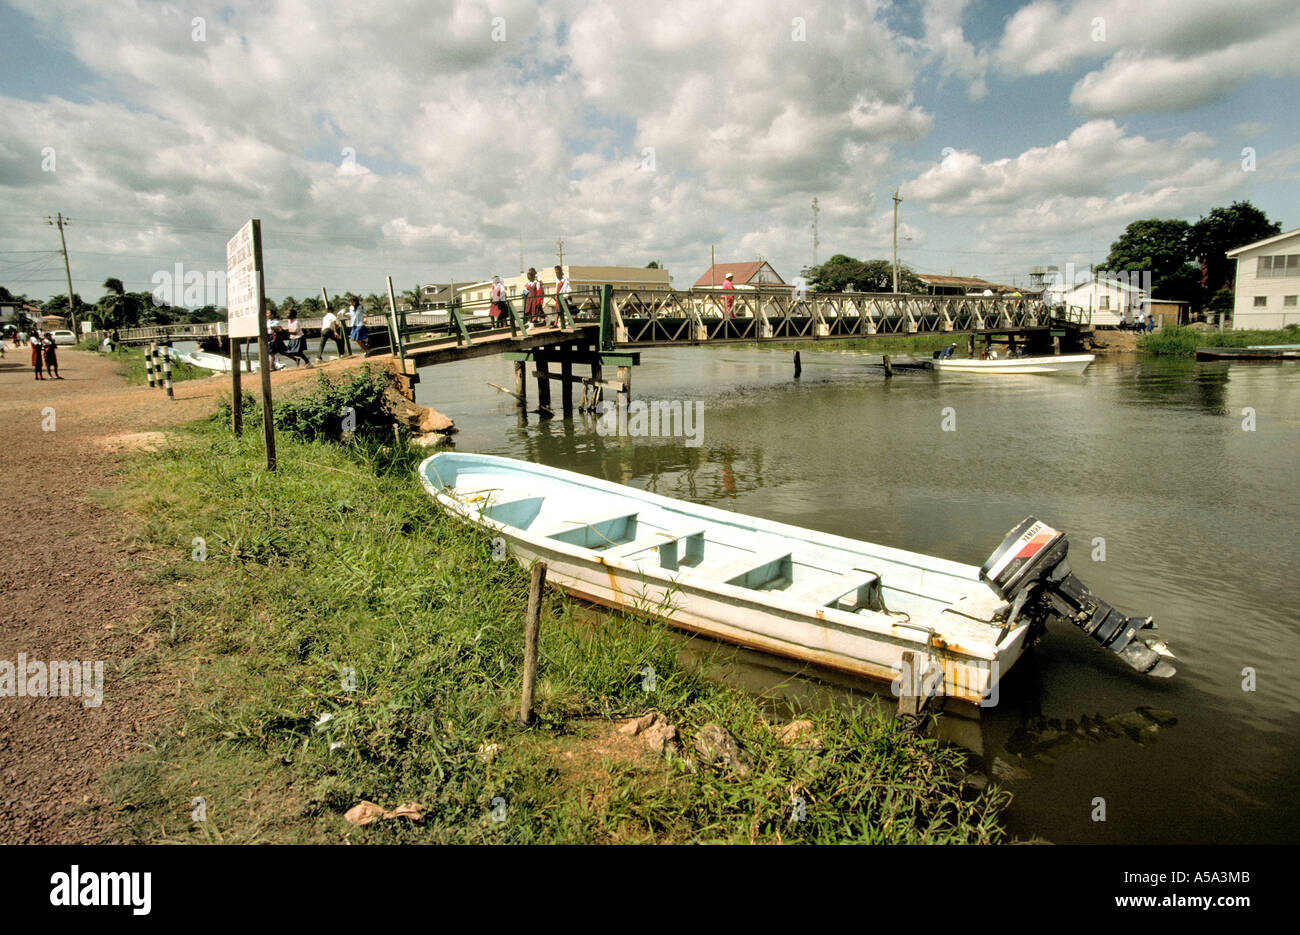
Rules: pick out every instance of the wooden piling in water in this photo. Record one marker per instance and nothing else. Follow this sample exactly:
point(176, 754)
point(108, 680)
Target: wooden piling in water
point(624, 377)
point(798, 368)
point(566, 385)
point(532, 629)
point(543, 374)
point(521, 384)
point(889, 366)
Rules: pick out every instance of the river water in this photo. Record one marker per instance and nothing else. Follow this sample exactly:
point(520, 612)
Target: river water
point(1176, 482)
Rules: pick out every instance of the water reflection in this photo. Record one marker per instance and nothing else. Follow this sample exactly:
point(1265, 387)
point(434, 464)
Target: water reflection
point(1197, 515)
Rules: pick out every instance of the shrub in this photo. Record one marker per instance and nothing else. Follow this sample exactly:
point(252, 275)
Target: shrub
point(358, 405)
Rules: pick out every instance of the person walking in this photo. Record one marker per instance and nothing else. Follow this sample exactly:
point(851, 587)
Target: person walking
point(296, 346)
point(499, 310)
point(357, 322)
point(563, 290)
point(50, 350)
point(274, 340)
point(330, 329)
point(533, 297)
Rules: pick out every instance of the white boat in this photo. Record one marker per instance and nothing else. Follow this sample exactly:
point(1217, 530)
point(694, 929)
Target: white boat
point(211, 361)
point(1060, 363)
point(852, 606)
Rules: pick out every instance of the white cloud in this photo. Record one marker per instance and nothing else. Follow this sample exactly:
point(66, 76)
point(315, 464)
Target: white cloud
point(1155, 56)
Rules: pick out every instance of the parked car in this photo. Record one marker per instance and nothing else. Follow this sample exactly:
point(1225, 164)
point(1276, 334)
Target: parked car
point(64, 337)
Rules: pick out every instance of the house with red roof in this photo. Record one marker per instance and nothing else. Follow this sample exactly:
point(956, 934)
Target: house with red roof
point(756, 274)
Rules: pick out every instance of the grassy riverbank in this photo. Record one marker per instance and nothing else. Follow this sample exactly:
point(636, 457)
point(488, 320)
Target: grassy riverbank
point(339, 563)
point(1183, 342)
point(130, 361)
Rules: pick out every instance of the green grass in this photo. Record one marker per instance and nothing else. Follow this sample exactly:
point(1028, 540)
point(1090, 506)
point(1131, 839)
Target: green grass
point(131, 364)
point(1183, 342)
point(340, 561)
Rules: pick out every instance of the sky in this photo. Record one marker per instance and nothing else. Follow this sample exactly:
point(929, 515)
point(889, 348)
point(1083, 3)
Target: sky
point(439, 142)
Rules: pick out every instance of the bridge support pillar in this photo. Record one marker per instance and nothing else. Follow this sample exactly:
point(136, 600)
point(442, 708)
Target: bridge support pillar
point(521, 384)
point(625, 380)
point(566, 385)
point(543, 374)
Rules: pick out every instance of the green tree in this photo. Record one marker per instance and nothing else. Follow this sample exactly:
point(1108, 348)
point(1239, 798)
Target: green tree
point(1158, 246)
point(1225, 229)
point(653, 264)
point(840, 272)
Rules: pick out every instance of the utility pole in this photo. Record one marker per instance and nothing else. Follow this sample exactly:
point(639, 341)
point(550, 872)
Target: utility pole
point(521, 254)
point(896, 201)
point(59, 221)
point(816, 242)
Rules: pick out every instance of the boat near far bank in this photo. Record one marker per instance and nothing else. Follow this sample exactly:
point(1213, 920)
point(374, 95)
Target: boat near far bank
point(848, 605)
point(209, 361)
point(1059, 363)
point(1253, 352)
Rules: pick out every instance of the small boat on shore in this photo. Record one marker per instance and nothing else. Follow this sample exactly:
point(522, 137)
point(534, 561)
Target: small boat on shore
point(852, 606)
point(1059, 363)
point(209, 361)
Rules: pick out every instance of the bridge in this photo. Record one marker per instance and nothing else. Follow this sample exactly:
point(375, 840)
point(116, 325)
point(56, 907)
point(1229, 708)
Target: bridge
point(601, 327)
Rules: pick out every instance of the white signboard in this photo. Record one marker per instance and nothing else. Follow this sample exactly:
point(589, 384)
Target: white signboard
point(244, 282)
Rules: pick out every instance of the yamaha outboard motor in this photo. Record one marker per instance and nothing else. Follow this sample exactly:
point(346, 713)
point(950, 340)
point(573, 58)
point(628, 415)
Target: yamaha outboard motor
point(1030, 569)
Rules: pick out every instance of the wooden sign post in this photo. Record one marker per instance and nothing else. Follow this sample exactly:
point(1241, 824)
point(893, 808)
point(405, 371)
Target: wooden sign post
point(246, 316)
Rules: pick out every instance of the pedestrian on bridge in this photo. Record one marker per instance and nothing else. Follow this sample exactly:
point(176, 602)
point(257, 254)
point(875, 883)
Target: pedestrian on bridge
point(500, 310)
point(296, 345)
point(533, 301)
point(357, 322)
point(329, 329)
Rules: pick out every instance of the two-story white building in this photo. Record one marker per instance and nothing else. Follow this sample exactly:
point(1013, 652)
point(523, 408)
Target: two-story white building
point(1109, 301)
point(1267, 289)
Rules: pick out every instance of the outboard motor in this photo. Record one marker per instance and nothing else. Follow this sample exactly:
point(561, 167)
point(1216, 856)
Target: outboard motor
point(1030, 569)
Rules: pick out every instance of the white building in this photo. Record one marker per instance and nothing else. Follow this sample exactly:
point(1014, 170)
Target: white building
point(1268, 282)
point(1109, 301)
point(580, 278)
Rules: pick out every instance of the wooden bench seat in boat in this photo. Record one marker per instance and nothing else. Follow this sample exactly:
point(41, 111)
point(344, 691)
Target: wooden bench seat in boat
point(669, 544)
point(759, 570)
point(864, 586)
point(512, 508)
point(596, 532)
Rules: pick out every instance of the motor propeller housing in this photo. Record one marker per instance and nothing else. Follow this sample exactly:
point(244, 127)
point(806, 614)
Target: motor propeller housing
point(1030, 568)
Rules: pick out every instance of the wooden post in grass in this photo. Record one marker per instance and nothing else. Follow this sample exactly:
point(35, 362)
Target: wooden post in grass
point(532, 626)
point(236, 390)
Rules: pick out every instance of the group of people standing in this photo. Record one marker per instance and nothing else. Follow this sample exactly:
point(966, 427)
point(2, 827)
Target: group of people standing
point(45, 353)
point(534, 296)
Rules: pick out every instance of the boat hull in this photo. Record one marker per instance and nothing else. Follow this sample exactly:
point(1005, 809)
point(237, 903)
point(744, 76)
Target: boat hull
point(1063, 364)
point(964, 657)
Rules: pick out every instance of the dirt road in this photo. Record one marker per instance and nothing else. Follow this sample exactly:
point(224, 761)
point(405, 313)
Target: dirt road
point(71, 588)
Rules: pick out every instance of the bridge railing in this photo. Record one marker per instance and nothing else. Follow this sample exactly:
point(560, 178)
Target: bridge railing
point(643, 316)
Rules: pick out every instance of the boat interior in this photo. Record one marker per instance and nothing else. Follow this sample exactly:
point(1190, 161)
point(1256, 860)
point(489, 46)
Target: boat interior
point(799, 564)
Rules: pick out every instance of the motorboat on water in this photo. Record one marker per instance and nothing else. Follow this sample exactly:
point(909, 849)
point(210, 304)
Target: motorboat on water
point(848, 605)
